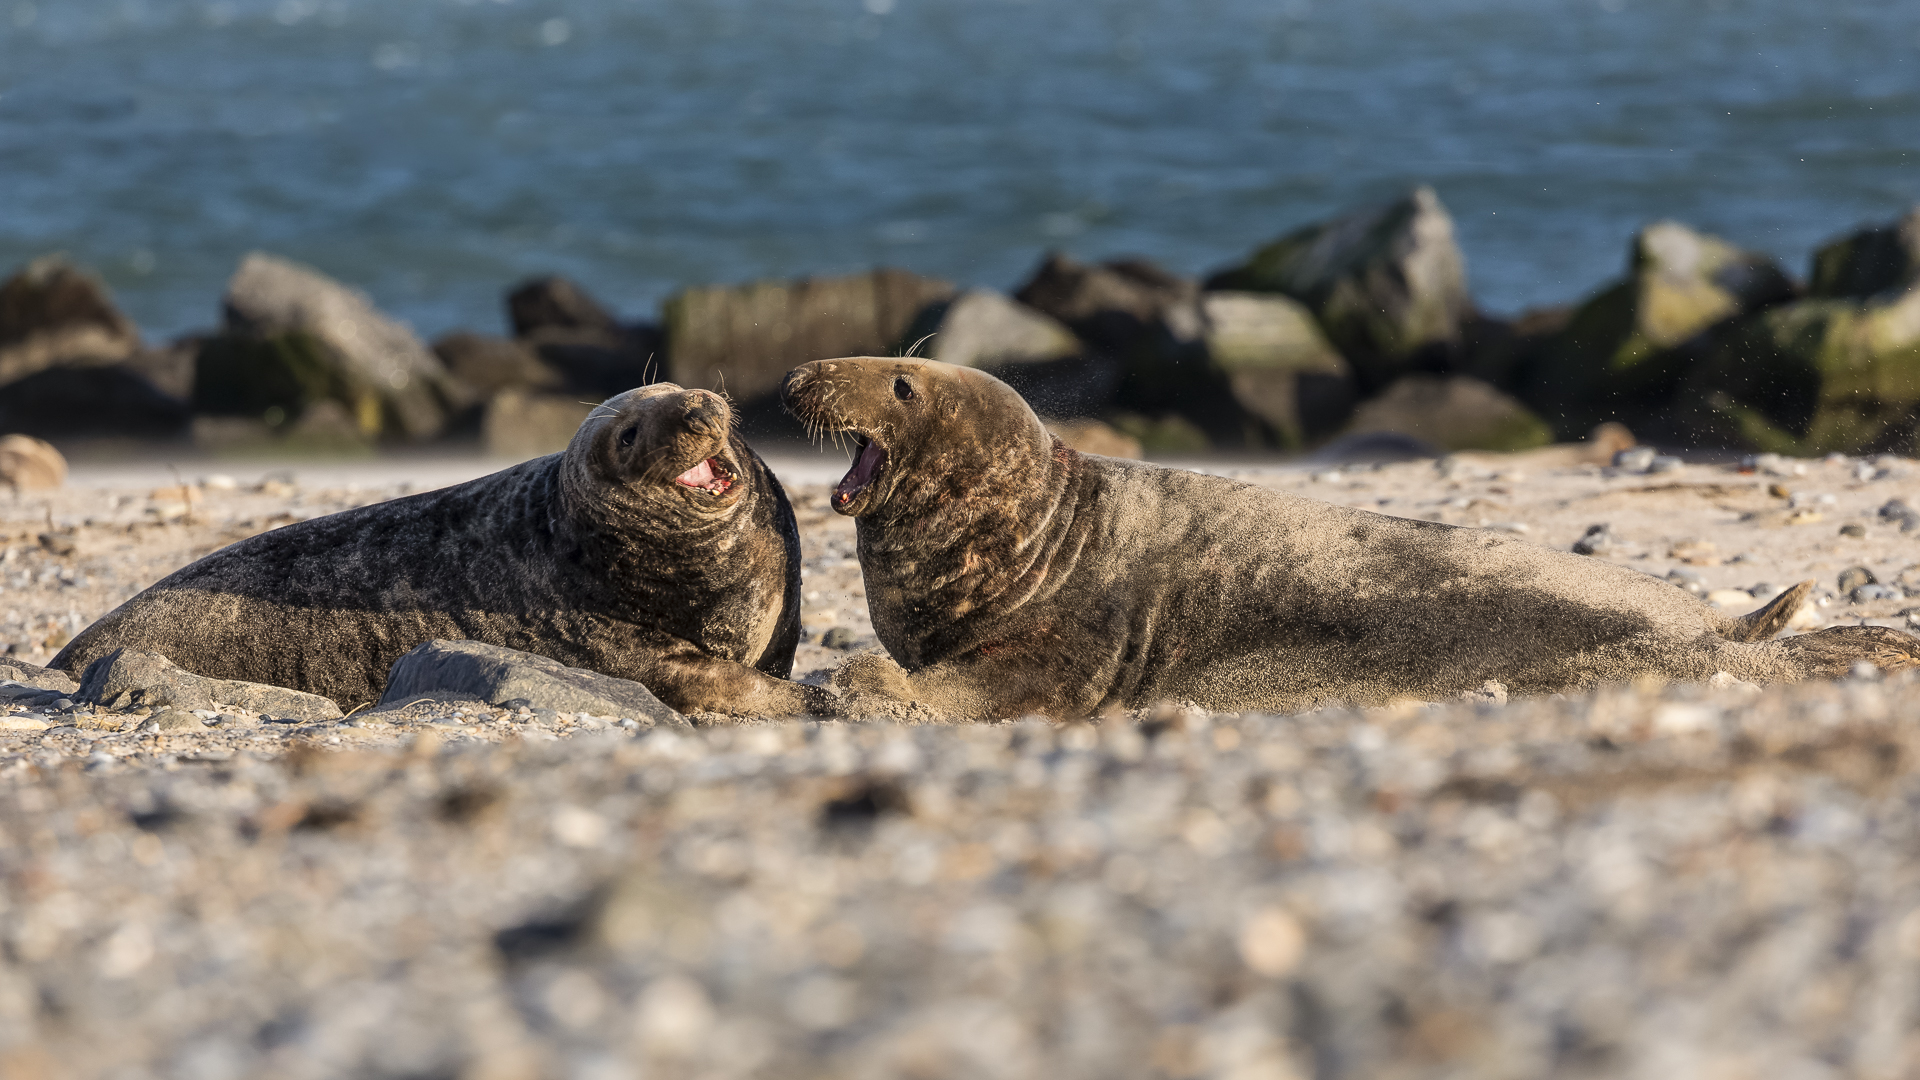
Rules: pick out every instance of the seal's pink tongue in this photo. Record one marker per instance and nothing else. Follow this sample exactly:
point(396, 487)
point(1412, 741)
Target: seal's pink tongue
point(699, 476)
point(862, 472)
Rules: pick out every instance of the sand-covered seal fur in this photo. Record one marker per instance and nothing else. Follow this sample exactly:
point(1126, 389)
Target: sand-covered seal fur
point(1007, 574)
point(658, 547)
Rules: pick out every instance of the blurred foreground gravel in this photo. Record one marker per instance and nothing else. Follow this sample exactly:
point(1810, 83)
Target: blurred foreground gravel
point(1639, 882)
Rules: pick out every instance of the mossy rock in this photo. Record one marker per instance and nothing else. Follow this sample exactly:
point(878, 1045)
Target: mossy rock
point(1453, 412)
point(1388, 284)
point(1623, 352)
point(1819, 376)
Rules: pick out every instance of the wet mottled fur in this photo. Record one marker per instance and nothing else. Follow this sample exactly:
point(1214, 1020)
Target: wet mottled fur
point(1007, 574)
point(593, 557)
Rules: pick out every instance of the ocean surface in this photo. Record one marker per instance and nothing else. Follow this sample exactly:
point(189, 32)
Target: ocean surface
point(433, 152)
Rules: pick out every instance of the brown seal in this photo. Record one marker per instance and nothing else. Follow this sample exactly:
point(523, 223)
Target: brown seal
point(658, 547)
point(1008, 574)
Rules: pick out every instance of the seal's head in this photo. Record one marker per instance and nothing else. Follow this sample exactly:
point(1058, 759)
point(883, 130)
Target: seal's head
point(924, 433)
point(667, 444)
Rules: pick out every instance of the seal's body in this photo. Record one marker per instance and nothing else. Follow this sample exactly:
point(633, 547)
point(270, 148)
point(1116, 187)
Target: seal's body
point(1008, 574)
point(658, 547)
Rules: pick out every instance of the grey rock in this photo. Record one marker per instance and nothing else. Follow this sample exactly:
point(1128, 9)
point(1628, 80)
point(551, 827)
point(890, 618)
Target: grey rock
point(1855, 576)
point(987, 329)
point(508, 678)
point(1876, 261)
point(838, 637)
point(1685, 579)
point(38, 678)
point(747, 338)
point(116, 400)
point(1865, 594)
point(521, 424)
point(175, 720)
point(1454, 412)
point(1388, 283)
point(1899, 512)
point(1635, 459)
point(1854, 529)
point(369, 355)
point(491, 364)
point(1664, 463)
point(1279, 364)
point(1620, 354)
point(1375, 448)
point(53, 313)
point(1595, 540)
point(124, 679)
point(555, 303)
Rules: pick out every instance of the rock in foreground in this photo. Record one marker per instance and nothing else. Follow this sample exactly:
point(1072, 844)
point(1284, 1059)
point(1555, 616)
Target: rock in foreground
point(508, 678)
point(126, 678)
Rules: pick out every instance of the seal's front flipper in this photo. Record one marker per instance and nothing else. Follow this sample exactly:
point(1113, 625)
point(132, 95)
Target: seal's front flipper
point(1771, 618)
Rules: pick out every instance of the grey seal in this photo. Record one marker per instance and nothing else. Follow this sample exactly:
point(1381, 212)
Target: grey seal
point(1007, 574)
point(657, 547)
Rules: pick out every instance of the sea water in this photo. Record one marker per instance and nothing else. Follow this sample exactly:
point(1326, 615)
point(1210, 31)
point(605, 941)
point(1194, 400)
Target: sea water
point(433, 152)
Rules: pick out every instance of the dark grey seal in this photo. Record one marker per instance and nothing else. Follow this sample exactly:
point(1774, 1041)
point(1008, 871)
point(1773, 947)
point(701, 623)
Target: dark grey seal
point(1007, 574)
point(657, 548)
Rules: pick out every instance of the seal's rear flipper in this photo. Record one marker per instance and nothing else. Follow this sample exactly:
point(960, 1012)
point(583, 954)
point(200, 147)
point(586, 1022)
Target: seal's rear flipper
point(1771, 618)
point(1833, 652)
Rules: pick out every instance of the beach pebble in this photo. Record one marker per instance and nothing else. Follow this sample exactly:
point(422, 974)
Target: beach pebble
point(1637, 459)
point(1854, 530)
point(838, 637)
point(1594, 541)
point(1855, 576)
point(1688, 580)
point(1866, 594)
point(1738, 601)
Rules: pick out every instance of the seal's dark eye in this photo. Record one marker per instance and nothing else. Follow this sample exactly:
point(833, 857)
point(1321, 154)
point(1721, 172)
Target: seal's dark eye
point(627, 436)
point(902, 389)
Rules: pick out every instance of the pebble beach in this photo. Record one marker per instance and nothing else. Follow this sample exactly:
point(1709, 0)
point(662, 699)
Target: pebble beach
point(1638, 880)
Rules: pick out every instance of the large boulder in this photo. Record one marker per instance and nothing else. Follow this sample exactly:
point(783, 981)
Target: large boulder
point(982, 328)
point(1146, 365)
point(1034, 353)
point(292, 331)
point(1620, 353)
point(1452, 412)
point(109, 401)
point(1877, 261)
point(53, 313)
point(521, 424)
point(1279, 365)
point(502, 677)
point(745, 339)
point(570, 332)
point(28, 464)
point(1387, 283)
point(127, 678)
point(492, 364)
point(1838, 371)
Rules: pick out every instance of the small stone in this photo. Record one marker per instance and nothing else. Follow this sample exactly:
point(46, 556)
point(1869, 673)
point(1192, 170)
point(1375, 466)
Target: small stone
point(1854, 529)
point(23, 722)
point(1805, 517)
point(1779, 491)
point(1899, 512)
point(1596, 539)
point(1855, 576)
point(1688, 580)
point(1738, 600)
point(1864, 471)
point(1867, 594)
point(1272, 943)
point(1638, 459)
point(838, 637)
point(174, 720)
point(1696, 552)
point(1664, 463)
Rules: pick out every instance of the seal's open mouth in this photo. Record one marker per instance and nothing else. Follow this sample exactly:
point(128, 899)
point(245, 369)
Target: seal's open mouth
point(866, 466)
point(710, 476)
